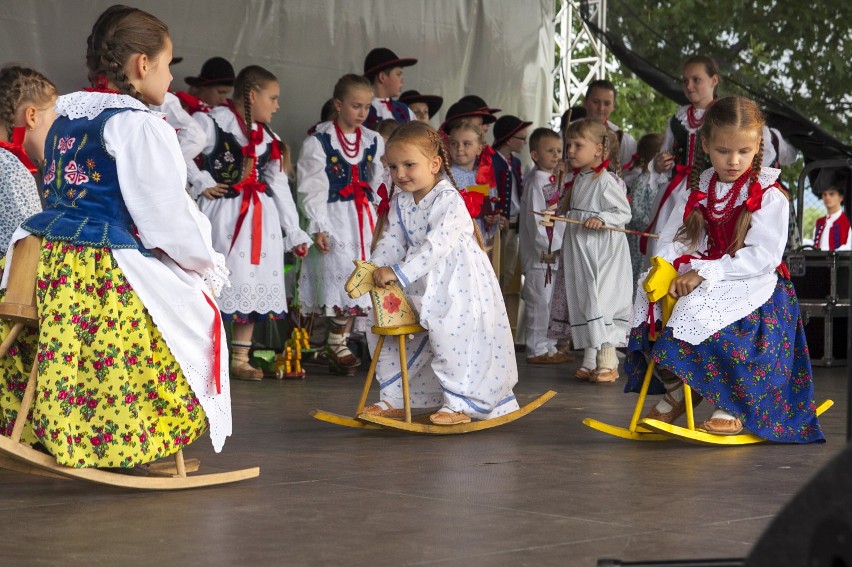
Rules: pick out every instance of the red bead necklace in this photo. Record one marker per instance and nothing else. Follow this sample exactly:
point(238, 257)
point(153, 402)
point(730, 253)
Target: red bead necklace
point(350, 149)
point(728, 202)
point(694, 123)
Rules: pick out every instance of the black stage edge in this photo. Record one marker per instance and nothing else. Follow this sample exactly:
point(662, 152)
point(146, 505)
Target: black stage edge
point(690, 563)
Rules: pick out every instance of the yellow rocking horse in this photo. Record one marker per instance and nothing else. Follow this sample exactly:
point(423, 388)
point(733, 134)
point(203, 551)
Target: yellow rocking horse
point(396, 317)
point(656, 287)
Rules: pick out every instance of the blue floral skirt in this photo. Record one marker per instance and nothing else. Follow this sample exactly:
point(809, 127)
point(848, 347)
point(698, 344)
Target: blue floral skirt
point(757, 369)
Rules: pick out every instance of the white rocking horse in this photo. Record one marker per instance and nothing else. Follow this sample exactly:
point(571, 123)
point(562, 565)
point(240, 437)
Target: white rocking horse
point(395, 316)
point(19, 307)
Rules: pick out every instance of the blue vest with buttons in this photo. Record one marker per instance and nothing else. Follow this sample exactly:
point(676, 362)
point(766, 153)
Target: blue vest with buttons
point(339, 171)
point(83, 202)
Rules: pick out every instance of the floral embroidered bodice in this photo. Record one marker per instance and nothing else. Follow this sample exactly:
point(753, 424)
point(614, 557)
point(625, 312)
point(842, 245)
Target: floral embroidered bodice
point(341, 174)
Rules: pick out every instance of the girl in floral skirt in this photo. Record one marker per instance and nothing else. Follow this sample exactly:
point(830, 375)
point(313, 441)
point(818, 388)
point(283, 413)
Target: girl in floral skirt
point(129, 361)
point(735, 335)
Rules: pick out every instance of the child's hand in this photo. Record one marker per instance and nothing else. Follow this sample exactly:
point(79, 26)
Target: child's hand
point(502, 221)
point(216, 191)
point(664, 162)
point(321, 241)
point(683, 285)
point(384, 276)
point(593, 223)
point(301, 250)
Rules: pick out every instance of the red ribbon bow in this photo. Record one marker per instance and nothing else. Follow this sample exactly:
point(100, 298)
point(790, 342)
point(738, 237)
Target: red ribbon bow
point(755, 196)
point(16, 147)
point(384, 203)
point(192, 104)
point(101, 85)
point(630, 162)
point(604, 164)
point(692, 201)
point(472, 201)
point(251, 189)
point(360, 190)
point(485, 170)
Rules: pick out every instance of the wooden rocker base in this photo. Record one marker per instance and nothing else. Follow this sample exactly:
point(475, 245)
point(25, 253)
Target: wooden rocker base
point(640, 434)
point(338, 419)
point(431, 429)
point(29, 458)
point(701, 437)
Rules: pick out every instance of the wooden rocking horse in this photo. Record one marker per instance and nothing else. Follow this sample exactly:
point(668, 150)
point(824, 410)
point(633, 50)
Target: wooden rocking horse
point(396, 317)
point(19, 307)
point(656, 287)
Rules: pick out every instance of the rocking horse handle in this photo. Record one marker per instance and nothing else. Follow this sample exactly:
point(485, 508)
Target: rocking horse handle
point(657, 283)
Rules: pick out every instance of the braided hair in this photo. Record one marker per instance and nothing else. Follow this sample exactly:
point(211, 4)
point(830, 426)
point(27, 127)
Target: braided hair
point(20, 86)
point(256, 78)
point(431, 144)
point(730, 112)
point(119, 33)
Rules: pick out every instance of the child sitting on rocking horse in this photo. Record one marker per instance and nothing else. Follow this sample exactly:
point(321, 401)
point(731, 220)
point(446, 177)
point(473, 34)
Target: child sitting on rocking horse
point(735, 335)
point(430, 245)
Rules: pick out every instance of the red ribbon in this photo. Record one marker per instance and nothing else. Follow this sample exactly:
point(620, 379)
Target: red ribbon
point(192, 104)
point(604, 164)
point(755, 196)
point(250, 188)
point(384, 203)
point(485, 170)
point(217, 343)
point(362, 204)
point(16, 147)
point(652, 323)
point(681, 173)
point(388, 104)
point(629, 164)
point(472, 201)
point(692, 202)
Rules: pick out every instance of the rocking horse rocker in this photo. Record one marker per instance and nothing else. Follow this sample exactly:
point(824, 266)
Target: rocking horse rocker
point(656, 287)
point(396, 317)
point(19, 307)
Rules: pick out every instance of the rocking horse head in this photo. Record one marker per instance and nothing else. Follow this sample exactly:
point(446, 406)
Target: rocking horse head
point(390, 305)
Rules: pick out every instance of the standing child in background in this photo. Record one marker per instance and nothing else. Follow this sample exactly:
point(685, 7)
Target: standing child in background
point(465, 147)
point(540, 246)
point(641, 196)
point(735, 335)
point(423, 106)
point(832, 232)
point(211, 88)
point(383, 70)
point(595, 262)
point(670, 168)
point(465, 363)
point(249, 206)
point(480, 104)
point(339, 170)
point(123, 246)
point(26, 114)
point(599, 103)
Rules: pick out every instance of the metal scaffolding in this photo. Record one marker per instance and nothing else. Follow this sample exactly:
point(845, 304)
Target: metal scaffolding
point(580, 55)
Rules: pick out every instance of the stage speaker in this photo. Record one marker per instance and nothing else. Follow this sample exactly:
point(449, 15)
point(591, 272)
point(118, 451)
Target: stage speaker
point(815, 528)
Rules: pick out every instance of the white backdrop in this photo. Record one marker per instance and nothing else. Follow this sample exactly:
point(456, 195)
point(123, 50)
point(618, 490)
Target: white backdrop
point(501, 50)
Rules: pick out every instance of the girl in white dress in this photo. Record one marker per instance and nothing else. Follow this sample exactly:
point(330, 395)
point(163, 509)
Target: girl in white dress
point(339, 169)
point(249, 206)
point(465, 363)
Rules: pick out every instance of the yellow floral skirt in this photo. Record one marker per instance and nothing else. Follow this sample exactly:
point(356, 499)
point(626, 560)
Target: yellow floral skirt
point(109, 391)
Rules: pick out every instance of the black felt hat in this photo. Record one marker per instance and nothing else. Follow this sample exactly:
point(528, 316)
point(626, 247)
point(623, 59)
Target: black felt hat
point(506, 127)
point(479, 103)
point(381, 59)
point(463, 109)
point(434, 102)
point(215, 71)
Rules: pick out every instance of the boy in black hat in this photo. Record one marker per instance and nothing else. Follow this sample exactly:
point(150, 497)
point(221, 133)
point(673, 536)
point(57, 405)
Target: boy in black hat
point(510, 136)
point(423, 106)
point(480, 104)
point(212, 86)
point(384, 70)
point(832, 232)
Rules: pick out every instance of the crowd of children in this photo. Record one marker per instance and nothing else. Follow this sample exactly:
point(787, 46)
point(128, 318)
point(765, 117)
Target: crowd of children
point(180, 221)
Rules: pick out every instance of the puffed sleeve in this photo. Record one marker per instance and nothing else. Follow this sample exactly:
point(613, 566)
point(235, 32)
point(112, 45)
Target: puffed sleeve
point(287, 212)
point(614, 207)
point(199, 180)
point(152, 177)
point(764, 244)
point(312, 186)
point(390, 248)
point(450, 222)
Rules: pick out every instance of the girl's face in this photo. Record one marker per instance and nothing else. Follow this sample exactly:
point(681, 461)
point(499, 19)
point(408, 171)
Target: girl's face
point(698, 85)
point(464, 147)
point(731, 151)
point(584, 153)
point(411, 170)
point(420, 110)
point(264, 102)
point(155, 76)
point(354, 108)
point(215, 95)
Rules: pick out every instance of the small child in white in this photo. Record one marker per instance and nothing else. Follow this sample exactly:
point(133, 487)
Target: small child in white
point(540, 246)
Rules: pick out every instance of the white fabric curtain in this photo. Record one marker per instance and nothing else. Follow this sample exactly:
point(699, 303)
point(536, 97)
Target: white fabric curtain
point(501, 50)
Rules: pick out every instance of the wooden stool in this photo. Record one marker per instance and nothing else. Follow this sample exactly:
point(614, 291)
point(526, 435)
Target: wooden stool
point(400, 332)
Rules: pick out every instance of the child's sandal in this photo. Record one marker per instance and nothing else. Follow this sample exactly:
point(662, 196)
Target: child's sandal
point(387, 411)
point(442, 417)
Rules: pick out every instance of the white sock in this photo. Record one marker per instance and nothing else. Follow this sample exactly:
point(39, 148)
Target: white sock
point(590, 358)
point(722, 414)
point(606, 359)
point(674, 390)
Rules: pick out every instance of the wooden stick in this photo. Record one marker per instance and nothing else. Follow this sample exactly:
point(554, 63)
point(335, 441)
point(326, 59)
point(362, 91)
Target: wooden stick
point(572, 221)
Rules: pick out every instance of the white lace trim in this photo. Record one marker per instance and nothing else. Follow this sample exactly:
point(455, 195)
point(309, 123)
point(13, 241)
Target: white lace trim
point(711, 270)
point(217, 278)
point(767, 178)
point(684, 120)
point(84, 104)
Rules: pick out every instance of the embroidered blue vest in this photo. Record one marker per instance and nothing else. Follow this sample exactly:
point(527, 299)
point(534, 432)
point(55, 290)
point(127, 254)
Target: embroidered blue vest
point(503, 175)
point(225, 162)
point(399, 110)
point(83, 202)
point(339, 171)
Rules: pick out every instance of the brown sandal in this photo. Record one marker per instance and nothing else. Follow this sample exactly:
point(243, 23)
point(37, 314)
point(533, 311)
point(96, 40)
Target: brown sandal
point(389, 412)
point(722, 426)
point(678, 408)
point(449, 418)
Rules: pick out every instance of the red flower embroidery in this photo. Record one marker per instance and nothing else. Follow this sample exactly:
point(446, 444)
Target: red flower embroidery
point(73, 175)
point(391, 303)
